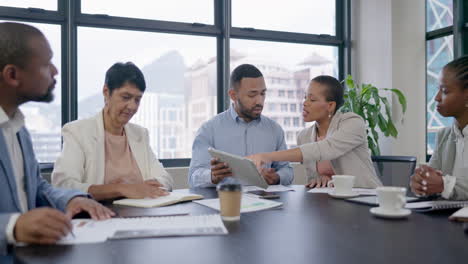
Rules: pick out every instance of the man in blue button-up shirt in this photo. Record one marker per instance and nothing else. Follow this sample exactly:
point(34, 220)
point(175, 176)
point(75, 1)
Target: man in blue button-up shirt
point(240, 130)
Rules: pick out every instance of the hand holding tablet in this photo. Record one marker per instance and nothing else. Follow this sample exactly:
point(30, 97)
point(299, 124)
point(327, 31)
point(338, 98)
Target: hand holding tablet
point(242, 168)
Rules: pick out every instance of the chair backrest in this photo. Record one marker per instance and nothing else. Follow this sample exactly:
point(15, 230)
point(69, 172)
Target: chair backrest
point(394, 170)
point(46, 170)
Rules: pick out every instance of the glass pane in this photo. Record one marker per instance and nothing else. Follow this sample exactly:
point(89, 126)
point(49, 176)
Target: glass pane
point(190, 11)
point(287, 69)
point(439, 14)
point(305, 16)
point(44, 4)
point(439, 52)
point(44, 120)
point(180, 73)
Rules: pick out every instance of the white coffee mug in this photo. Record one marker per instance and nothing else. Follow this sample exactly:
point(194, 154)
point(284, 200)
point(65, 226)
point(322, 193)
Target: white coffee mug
point(343, 184)
point(391, 199)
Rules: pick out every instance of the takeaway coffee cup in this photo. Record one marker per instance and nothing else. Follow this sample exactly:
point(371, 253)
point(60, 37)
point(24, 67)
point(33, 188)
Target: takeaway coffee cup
point(230, 195)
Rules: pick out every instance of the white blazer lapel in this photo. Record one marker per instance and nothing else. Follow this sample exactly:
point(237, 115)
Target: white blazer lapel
point(99, 140)
point(138, 148)
point(334, 123)
point(6, 166)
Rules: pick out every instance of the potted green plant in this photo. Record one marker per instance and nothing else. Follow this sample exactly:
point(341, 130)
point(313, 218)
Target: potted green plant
point(365, 100)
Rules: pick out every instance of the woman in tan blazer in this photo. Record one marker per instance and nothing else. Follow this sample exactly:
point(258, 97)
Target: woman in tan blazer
point(107, 156)
point(335, 144)
point(447, 173)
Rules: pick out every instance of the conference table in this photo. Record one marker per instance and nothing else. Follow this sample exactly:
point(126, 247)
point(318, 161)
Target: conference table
point(309, 228)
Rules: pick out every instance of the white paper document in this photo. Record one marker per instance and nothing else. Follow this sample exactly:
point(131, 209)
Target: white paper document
point(271, 188)
point(248, 204)
point(361, 191)
point(91, 231)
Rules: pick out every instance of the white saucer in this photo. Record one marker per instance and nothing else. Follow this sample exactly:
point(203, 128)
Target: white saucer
point(402, 213)
point(343, 195)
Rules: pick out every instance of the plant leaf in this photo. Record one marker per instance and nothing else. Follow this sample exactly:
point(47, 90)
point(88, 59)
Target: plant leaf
point(392, 129)
point(388, 109)
point(381, 122)
point(349, 81)
point(401, 98)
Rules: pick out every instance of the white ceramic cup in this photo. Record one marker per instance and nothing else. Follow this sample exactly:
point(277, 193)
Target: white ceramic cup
point(343, 184)
point(391, 199)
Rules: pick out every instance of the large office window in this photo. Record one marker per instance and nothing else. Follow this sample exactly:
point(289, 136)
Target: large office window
point(190, 11)
point(446, 39)
point(180, 76)
point(186, 50)
point(439, 51)
point(43, 4)
point(287, 69)
point(439, 14)
point(44, 120)
point(304, 16)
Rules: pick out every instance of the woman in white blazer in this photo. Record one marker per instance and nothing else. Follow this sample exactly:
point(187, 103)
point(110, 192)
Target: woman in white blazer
point(335, 144)
point(107, 156)
point(447, 173)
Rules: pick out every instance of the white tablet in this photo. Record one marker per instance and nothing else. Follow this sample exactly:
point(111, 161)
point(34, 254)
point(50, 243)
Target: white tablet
point(242, 168)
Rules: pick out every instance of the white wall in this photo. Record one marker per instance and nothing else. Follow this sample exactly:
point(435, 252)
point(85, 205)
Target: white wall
point(388, 50)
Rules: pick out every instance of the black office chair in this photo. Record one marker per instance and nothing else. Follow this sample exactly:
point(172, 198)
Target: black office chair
point(394, 170)
point(46, 170)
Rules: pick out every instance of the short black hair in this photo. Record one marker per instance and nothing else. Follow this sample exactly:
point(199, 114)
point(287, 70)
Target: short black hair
point(335, 91)
point(15, 47)
point(244, 71)
point(459, 67)
point(121, 73)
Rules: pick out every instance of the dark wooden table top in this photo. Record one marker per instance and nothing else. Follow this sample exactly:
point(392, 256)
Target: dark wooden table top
point(310, 228)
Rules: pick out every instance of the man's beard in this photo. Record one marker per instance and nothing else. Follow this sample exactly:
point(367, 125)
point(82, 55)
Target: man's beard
point(47, 97)
point(248, 112)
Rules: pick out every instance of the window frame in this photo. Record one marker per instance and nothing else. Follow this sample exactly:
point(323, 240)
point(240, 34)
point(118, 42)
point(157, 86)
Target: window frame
point(70, 17)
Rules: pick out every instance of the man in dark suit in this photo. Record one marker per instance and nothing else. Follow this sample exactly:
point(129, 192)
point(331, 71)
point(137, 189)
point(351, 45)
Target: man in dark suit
point(27, 74)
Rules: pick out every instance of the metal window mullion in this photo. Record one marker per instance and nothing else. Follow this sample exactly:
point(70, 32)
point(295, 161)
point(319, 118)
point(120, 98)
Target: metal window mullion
point(69, 95)
point(147, 25)
point(282, 36)
point(347, 39)
point(460, 32)
point(439, 33)
point(425, 82)
point(343, 32)
point(222, 22)
point(31, 15)
point(227, 26)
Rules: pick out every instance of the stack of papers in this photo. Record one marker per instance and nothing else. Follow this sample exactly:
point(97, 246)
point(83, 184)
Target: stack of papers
point(361, 191)
point(248, 204)
point(271, 188)
point(91, 231)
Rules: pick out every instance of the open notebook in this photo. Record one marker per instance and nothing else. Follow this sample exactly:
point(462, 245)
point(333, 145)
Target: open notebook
point(172, 198)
